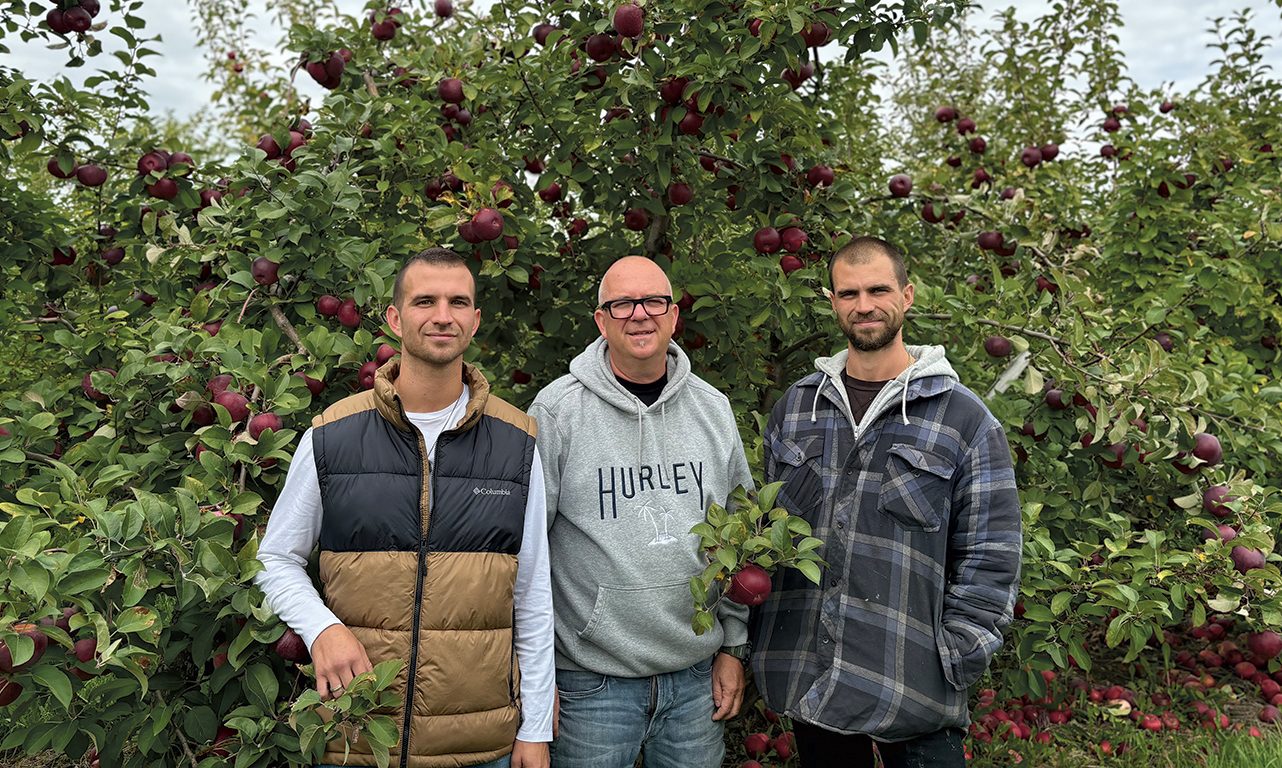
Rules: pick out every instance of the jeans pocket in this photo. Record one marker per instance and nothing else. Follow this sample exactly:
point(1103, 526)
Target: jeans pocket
point(702, 669)
point(572, 684)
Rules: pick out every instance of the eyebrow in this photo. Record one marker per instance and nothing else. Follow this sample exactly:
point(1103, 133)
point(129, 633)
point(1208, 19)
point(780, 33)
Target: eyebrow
point(885, 286)
point(455, 297)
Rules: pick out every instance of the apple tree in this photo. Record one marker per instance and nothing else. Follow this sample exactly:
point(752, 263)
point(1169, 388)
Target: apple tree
point(184, 309)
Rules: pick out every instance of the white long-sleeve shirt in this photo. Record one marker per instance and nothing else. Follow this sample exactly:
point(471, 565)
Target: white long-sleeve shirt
point(294, 528)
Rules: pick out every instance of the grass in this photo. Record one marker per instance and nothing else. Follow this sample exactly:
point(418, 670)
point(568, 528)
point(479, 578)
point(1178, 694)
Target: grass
point(1079, 748)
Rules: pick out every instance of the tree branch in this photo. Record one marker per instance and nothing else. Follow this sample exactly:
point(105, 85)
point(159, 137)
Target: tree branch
point(995, 324)
point(789, 350)
point(182, 737)
point(287, 328)
point(653, 237)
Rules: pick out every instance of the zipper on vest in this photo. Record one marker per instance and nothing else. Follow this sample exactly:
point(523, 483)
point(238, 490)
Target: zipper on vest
point(425, 506)
point(511, 662)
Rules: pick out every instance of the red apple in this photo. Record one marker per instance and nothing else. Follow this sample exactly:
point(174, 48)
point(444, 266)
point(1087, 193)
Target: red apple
point(487, 224)
point(237, 405)
point(1245, 559)
point(766, 240)
point(91, 175)
point(152, 162)
point(900, 185)
point(264, 270)
point(10, 690)
point(450, 90)
point(1207, 448)
point(315, 386)
point(629, 20)
point(38, 638)
point(790, 264)
point(997, 346)
point(328, 306)
point(366, 374)
point(163, 189)
point(1266, 644)
point(756, 744)
point(679, 193)
point(823, 176)
point(263, 422)
point(348, 315)
point(636, 219)
point(792, 239)
point(750, 585)
point(291, 647)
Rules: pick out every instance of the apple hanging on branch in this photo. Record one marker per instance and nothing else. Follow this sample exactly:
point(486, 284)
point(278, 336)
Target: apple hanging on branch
point(745, 542)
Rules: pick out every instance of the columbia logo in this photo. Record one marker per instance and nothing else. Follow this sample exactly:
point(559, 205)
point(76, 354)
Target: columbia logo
point(478, 491)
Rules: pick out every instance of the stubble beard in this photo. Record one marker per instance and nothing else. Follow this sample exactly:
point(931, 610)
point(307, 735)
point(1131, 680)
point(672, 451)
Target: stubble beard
point(881, 340)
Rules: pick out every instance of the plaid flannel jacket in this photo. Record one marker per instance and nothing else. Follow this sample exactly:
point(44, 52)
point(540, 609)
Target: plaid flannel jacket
point(920, 517)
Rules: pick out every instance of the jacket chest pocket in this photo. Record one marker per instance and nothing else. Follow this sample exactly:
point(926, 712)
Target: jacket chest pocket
point(799, 466)
point(916, 488)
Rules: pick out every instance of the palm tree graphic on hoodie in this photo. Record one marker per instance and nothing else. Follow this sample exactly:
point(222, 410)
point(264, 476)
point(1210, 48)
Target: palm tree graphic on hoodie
point(656, 515)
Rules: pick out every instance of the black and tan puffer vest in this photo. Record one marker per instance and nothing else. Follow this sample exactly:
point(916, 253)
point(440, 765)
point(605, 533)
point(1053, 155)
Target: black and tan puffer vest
point(420, 562)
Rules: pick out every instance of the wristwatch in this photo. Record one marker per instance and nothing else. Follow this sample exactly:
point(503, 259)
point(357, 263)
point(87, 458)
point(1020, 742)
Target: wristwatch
point(740, 652)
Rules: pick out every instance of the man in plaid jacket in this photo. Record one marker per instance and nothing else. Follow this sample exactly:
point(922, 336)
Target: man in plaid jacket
point(907, 478)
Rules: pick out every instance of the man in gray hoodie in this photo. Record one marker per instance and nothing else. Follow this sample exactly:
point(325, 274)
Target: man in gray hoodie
point(635, 448)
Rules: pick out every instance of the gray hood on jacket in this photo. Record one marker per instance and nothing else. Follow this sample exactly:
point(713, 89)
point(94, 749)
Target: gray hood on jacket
point(928, 360)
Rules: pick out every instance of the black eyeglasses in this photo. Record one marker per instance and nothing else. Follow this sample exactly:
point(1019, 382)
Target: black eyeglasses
point(622, 309)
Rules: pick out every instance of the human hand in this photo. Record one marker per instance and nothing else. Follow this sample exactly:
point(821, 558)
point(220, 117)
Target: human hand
point(337, 657)
point(727, 686)
point(530, 754)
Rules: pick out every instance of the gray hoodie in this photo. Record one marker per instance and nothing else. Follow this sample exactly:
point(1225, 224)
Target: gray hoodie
point(625, 484)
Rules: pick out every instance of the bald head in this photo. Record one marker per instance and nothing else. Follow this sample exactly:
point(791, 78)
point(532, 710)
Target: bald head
point(633, 277)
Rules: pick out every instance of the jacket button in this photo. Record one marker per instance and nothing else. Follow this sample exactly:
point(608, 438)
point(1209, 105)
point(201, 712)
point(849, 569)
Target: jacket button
point(832, 582)
point(841, 524)
point(826, 639)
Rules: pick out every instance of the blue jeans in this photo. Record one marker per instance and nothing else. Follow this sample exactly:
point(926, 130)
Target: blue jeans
point(502, 762)
point(607, 721)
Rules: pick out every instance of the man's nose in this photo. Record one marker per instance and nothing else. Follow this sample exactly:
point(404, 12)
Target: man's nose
point(441, 314)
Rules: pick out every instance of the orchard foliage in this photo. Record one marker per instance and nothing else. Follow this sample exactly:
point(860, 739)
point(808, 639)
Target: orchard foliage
point(735, 144)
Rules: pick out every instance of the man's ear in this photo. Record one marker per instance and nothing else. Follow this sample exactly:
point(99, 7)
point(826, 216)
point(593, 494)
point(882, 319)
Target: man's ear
point(393, 316)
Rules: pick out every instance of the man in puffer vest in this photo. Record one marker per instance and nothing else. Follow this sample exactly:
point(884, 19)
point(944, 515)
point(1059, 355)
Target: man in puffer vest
point(426, 497)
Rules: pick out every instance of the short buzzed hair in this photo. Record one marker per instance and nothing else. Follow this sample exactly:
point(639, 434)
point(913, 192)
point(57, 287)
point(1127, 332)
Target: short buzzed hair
point(433, 257)
point(861, 250)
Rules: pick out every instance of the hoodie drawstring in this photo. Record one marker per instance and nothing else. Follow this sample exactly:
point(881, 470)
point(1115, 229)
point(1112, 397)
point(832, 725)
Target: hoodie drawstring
point(663, 415)
point(814, 405)
point(903, 403)
point(640, 433)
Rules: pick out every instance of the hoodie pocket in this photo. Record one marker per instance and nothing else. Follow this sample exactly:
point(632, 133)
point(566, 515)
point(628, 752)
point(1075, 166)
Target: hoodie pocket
point(916, 488)
point(648, 625)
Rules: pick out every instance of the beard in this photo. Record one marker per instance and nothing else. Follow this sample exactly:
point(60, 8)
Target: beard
point(873, 340)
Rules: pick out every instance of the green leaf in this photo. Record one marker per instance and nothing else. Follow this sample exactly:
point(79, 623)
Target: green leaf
point(55, 681)
point(135, 620)
point(767, 495)
point(809, 569)
point(263, 687)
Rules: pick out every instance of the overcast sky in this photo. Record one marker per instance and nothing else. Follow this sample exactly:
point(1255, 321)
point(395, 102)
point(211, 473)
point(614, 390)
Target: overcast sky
point(1164, 42)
